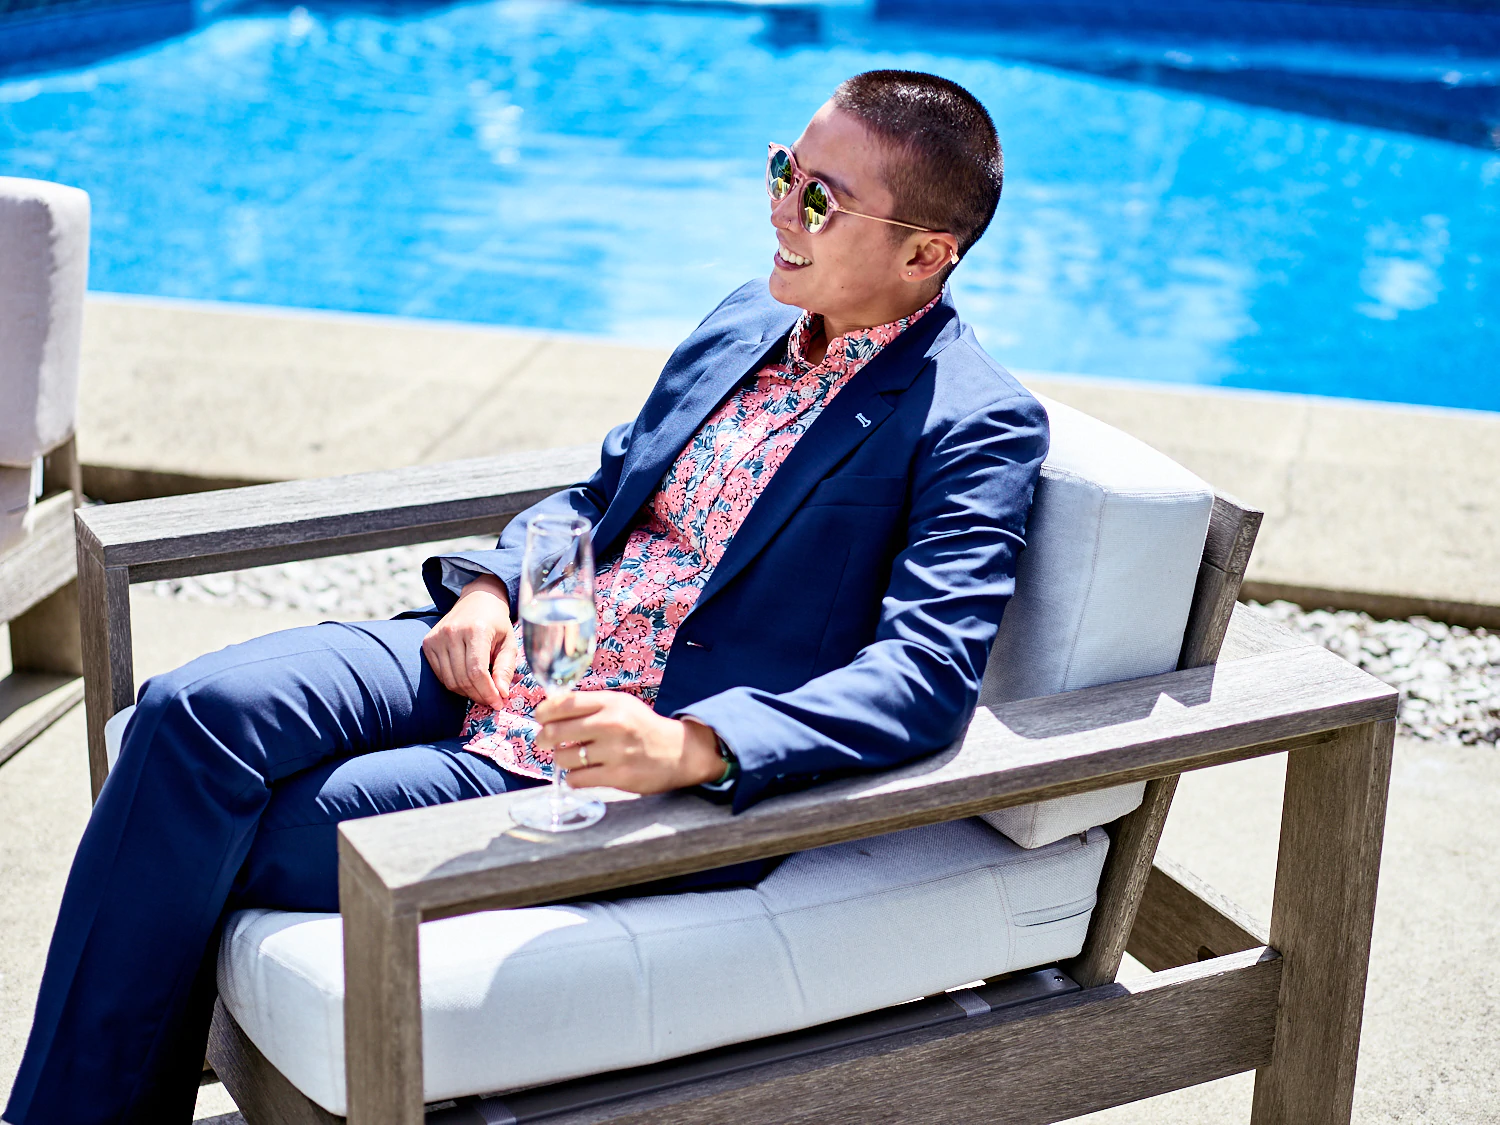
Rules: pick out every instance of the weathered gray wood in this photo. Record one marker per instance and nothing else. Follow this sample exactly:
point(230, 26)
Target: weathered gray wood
point(42, 562)
point(1252, 633)
point(1044, 1062)
point(109, 674)
point(1012, 991)
point(211, 531)
point(1231, 535)
point(261, 1093)
point(1122, 884)
point(1182, 919)
point(46, 637)
point(61, 471)
point(382, 1000)
point(30, 703)
point(437, 858)
point(119, 484)
point(1332, 827)
point(1232, 528)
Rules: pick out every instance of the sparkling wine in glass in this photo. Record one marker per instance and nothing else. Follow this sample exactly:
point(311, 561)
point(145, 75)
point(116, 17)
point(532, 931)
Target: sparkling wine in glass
point(557, 631)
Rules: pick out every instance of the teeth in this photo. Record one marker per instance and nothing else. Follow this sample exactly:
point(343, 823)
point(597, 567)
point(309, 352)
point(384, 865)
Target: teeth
point(795, 259)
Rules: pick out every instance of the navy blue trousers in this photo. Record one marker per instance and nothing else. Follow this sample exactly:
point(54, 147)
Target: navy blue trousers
point(233, 776)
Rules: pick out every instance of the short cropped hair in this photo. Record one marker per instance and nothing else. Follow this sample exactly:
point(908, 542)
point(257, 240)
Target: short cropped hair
point(946, 166)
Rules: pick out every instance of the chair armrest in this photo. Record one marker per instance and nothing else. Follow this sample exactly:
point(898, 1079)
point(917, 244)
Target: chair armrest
point(457, 858)
point(121, 544)
point(1252, 633)
point(204, 532)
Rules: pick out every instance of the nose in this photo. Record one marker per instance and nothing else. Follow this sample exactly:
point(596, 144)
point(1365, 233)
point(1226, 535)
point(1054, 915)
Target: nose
point(784, 211)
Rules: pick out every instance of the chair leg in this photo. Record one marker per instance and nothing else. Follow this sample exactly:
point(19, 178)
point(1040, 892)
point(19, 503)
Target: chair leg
point(1332, 826)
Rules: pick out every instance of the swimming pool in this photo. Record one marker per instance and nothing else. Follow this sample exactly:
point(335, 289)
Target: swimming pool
point(597, 169)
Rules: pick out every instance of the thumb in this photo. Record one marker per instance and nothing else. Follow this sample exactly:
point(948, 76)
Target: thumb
point(503, 660)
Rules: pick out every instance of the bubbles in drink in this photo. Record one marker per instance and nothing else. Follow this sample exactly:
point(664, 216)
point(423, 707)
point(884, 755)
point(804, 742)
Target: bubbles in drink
point(558, 634)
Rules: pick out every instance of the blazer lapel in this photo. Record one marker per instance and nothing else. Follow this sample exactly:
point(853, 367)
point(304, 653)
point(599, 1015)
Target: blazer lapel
point(854, 414)
point(709, 375)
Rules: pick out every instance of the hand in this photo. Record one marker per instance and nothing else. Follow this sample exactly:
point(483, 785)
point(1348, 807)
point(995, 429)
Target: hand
point(629, 746)
point(472, 650)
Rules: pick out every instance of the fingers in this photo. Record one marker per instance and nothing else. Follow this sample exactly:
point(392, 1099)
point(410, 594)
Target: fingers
point(582, 731)
point(503, 661)
point(437, 659)
point(591, 777)
point(572, 705)
point(476, 672)
point(460, 660)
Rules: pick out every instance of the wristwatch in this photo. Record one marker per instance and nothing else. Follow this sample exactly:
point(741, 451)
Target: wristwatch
point(731, 767)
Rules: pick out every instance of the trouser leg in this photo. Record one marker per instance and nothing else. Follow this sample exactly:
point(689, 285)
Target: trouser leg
point(171, 829)
point(293, 863)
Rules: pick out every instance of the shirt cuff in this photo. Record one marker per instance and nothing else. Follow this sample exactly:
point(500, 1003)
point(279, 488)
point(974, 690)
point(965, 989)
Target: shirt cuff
point(458, 574)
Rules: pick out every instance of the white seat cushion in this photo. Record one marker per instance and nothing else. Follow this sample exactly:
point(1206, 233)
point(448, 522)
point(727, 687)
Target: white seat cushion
point(1103, 590)
point(514, 998)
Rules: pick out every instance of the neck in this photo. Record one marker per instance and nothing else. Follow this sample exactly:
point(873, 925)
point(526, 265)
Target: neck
point(834, 327)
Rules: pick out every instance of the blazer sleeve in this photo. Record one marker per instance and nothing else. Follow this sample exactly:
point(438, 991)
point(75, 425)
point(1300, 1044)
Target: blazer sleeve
point(589, 499)
point(912, 690)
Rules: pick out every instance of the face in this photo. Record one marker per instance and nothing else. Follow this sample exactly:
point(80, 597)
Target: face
point(856, 272)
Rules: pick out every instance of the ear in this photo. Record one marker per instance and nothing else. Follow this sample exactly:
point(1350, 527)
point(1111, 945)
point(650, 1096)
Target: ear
point(928, 255)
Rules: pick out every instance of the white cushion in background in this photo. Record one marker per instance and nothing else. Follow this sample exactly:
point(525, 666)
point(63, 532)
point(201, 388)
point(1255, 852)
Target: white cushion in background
point(44, 260)
point(1103, 590)
point(515, 998)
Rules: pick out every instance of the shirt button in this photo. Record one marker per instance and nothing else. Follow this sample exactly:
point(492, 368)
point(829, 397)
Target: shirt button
point(713, 481)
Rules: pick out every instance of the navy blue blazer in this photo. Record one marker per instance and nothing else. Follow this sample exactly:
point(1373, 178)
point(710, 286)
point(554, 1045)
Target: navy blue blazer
point(848, 623)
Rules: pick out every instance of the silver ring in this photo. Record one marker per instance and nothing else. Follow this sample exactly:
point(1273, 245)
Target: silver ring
point(583, 757)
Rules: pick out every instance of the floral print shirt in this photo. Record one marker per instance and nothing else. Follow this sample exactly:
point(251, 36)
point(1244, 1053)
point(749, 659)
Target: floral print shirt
point(645, 592)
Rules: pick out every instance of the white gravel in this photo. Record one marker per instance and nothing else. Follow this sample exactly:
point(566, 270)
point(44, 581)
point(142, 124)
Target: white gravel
point(1449, 677)
point(360, 587)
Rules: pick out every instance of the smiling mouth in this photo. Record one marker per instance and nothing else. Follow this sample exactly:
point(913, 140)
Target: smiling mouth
point(792, 259)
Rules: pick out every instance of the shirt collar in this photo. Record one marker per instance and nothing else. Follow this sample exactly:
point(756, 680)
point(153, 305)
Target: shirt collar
point(852, 350)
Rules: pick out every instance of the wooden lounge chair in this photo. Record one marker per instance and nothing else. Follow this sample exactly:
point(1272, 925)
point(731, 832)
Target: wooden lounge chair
point(44, 243)
point(1041, 1044)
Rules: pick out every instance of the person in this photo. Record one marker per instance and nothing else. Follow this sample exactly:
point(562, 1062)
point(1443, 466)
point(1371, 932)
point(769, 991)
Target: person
point(806, 541)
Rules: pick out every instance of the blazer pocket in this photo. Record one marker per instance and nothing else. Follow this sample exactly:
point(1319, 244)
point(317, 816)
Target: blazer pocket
point(879, 492)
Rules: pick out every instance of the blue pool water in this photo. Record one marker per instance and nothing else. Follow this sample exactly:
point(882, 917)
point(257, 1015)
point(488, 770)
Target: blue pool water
point(597, 169)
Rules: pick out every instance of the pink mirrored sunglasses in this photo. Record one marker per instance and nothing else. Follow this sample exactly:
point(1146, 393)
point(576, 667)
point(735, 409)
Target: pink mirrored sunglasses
point(817, 206)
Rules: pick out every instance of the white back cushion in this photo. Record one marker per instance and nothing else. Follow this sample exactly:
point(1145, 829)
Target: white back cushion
point(1103, 590)
point(44, 265)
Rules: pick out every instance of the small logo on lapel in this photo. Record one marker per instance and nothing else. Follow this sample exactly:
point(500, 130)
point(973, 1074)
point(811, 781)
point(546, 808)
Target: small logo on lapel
point(863, 421)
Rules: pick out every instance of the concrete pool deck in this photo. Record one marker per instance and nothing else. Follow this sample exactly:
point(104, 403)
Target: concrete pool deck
point(1392, 509)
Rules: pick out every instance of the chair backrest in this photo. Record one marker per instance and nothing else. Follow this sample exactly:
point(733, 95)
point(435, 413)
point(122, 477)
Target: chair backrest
point(1104, 591)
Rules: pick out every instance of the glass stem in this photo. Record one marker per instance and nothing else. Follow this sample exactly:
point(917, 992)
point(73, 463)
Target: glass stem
point(560, 786)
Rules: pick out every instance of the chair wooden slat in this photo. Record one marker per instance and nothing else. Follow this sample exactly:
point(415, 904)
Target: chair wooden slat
point(1226, 553)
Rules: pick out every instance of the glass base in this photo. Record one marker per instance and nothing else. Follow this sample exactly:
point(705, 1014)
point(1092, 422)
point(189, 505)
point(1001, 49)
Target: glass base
point(549, 812)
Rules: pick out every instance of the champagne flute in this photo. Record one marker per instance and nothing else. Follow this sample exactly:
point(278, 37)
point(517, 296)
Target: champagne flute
point(558, 623)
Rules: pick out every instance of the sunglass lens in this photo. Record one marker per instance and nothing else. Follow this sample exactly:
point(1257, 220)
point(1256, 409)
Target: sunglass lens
point(815, 208)
point(779, 174)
